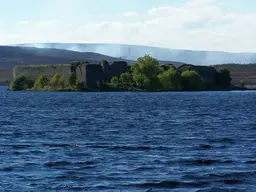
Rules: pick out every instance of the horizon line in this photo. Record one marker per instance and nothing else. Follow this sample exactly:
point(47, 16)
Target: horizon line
point(124, 44)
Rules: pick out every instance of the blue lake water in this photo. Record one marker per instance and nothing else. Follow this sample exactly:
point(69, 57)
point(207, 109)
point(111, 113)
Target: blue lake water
point(203, 141)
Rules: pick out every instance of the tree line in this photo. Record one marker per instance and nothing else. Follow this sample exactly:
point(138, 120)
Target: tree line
point(147, 74)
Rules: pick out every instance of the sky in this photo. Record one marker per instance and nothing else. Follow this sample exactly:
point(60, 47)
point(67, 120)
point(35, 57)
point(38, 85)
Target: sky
point(217, 25)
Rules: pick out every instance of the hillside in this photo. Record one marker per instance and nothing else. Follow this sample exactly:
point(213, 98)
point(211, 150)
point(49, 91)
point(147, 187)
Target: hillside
point(11, 56)
point(132, 52)
point(246, 73)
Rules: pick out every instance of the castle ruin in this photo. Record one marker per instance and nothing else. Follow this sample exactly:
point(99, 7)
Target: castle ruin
point(89, 73)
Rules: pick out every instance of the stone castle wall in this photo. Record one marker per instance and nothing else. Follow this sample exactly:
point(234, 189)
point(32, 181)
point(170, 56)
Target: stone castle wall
point(90, 74)
point(93, 75)
point(49, 70)
point(80, 72)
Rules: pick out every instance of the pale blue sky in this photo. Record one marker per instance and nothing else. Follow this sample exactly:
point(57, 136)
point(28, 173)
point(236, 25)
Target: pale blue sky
point(81, 21)
point(16, 10)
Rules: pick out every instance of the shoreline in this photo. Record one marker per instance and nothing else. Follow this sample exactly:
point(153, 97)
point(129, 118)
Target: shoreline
point(88, 90)
point(4, 83)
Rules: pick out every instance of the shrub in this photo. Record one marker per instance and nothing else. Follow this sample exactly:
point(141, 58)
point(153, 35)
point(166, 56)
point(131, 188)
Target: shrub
point(72, 79)
point(170, 80)
point(79, 86)
point(21, 82)
point(242, 84)
point(141, 80)
point(166, 67)
point(126, 79)
point(192, 81)
point(186, 68)
point(41, 82)
point(223, 77)
point(114, 81)
point(57, 81)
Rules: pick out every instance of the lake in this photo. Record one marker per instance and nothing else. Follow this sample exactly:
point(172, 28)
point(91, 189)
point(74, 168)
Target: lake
point(179, 141)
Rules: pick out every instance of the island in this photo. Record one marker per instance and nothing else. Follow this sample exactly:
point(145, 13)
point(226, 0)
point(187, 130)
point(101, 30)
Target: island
point(145, 74)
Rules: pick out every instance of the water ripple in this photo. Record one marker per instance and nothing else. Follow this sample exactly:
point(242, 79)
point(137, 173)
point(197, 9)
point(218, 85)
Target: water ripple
point(189, 142)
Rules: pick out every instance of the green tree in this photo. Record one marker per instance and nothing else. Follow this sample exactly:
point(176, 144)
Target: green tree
point(21, 82)
point(72, 79)
point(166, 67)
point(41, 82)
point(145, 72)
point(192, 81)
point(186, 68)
point(57, 81)
point(149, 66)
point(134, 68)
point(170, 80)
point(223, 77)
point(126, 79)
point(80, 86)
point(155, 84)
point(114, 81)
point(141, 80)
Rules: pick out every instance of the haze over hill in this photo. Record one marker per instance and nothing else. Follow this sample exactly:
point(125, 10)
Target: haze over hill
point(12, 55)
point(132, 52)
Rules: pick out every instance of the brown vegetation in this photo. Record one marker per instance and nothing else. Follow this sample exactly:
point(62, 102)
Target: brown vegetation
point(5, 76)
point(245, 73)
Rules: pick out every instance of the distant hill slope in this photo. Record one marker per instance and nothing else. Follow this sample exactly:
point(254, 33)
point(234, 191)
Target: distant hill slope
point(11, 56)
point(132, 52)
point(246, 73)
